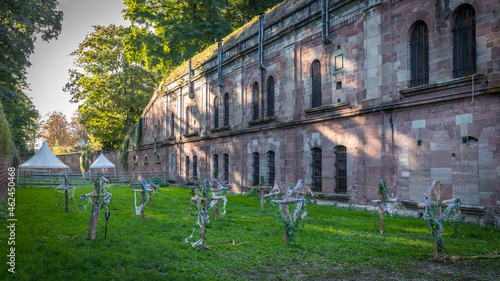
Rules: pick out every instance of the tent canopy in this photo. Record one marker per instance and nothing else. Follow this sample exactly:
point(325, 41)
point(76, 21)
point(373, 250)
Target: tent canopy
point(101, 163)
point(44, 158)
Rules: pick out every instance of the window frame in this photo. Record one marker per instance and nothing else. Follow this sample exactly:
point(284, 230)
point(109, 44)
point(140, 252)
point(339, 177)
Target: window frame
point(315, 84)
point(464, 49)
point(419, 55)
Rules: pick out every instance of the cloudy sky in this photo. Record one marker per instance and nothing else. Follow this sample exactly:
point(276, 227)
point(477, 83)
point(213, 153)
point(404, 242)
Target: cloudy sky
point(50, 63)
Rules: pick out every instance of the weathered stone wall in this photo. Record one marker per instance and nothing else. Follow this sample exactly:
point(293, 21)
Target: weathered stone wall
point(447, 130)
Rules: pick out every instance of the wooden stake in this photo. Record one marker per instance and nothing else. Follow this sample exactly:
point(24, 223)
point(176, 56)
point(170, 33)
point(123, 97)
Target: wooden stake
point(94, 216)
point(261, 199)
point(381, 218)
point(66, 198)
point(437, 194)
point(286, 213)
point(142, 211)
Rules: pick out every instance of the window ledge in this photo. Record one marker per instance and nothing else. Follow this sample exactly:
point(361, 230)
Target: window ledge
point(262, 121)
point(327, 108)
point(220, 129)
point(447, 84)
point(193, 134)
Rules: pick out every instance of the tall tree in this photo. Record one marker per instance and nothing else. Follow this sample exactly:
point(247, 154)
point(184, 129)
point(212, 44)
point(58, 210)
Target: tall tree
point(112, 91)
point(166, 33)
point(21, 22)
point(76, 127)
point(55, 129)
point(240, 12)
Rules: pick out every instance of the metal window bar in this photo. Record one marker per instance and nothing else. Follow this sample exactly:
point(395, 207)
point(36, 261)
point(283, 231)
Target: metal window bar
point(195, 166)
point(216, 166)
point(271, 174)
point(187, 120)
point(464, 37)
point(226, 109)
point(216, 113)
point(255, 174)
point(226, 168)
point(255, 101)
point(419, 56)
point(340, 169)
point(187, 167)
point(270, 97)
point(316, 84)
point(316, 169)
point(172, 125)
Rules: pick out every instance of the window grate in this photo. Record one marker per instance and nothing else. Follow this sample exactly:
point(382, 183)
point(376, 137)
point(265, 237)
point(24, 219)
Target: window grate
point(316, 169)
point(226, 168)
point(419, 56)
point(464, 39)
point(340, 169)
point(316, 84)
point(255, 174)
point(270, 167)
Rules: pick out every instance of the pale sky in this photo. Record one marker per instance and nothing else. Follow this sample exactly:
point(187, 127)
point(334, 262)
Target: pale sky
point(50, 63)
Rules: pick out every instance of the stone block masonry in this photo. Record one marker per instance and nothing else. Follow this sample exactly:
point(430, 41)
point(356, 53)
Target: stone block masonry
point(342, 113)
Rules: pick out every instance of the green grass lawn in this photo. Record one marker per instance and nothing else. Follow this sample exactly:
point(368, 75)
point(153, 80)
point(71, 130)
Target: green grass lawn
point(335, 243)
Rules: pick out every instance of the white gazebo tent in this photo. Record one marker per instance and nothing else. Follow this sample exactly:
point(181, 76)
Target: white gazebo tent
point(102, 163)
point(43, 159)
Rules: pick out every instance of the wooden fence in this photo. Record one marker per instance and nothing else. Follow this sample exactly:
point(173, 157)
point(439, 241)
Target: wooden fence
point(33, 178)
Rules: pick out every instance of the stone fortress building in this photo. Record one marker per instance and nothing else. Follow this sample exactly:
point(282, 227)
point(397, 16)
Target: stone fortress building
point(342, 94)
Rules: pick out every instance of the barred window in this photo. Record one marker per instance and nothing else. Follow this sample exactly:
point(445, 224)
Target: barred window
point(316, 169)
point(255, 165)
point(340, 169)
point(172, 124)
point(187, 119)
point(270, 96)
point(464, 42)
point(216, 166)
point(270, 167)
point(187, 167)
point(226, 168)
point(195, 166)
point(316, 83)
point(216, 113)
point(226, 109)
point(255, 100)
point(419, 55)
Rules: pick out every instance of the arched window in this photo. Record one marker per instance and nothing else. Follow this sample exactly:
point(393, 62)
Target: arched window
point(216, 166)
point(226, 168)
point(226, 109)
point(270, 97)
point(464, 42)
point(187, 167)
point(316, 83)
point(187, 119)
point(216, 113)
point(271, 175)
point(195, 166)
point(255, 100)
point(255, 166)
point(419, 55)
point(172, 125)
point(340, 169)
point(316, 169)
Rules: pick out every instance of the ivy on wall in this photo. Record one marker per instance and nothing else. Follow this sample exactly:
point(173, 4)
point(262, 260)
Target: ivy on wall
point(138, 133)
point(124, 152)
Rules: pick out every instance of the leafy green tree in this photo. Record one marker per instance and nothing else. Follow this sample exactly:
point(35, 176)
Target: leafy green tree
point(21, 22)
point(240, 12)
point(112, 91)
point(166, 33)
